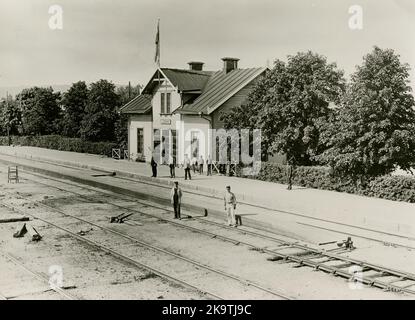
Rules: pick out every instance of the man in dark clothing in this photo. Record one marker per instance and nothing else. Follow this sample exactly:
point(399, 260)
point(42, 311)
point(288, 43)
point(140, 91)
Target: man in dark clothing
point(154, 167)
point(176, 199)
point(186, 165)
point(172, 165)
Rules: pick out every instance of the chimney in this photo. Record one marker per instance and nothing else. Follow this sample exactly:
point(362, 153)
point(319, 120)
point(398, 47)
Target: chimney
point(229, 64)
point(195, 65)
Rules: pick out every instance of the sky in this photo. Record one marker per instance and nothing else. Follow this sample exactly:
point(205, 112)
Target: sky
point(114, 40)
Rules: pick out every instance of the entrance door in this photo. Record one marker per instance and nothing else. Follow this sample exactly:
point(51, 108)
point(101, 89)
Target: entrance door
point(140, 142)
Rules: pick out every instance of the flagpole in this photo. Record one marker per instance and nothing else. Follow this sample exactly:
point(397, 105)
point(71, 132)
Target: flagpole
point(158, 31)
point(157, 56)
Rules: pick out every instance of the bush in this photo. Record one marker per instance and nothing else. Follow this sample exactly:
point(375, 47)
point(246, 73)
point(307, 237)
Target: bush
point(62, 143)
point(400, 188)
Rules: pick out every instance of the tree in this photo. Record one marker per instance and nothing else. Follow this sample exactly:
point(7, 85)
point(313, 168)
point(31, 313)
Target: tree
point(126, 94)
point(74, 102)
point(10, 116)
point(289, 103)
point(374, 130)
point(41, 112)
point(101, 112)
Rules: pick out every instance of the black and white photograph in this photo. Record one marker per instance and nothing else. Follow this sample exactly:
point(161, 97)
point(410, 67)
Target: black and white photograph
point(221, 152)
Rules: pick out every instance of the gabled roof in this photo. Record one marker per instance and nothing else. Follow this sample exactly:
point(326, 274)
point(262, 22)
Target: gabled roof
point(213, 88)
point(183, 80)
point(220, 88)
point(187, 80)
point(140, 104)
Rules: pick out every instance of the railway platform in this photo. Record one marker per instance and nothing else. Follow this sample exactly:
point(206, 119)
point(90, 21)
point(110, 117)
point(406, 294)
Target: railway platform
point(377, 226)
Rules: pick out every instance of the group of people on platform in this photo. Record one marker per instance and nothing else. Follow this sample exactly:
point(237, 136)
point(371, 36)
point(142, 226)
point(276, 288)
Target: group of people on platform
point(194, 164)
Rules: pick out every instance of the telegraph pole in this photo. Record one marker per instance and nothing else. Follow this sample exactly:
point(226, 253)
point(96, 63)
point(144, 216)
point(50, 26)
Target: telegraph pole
point(8, 118)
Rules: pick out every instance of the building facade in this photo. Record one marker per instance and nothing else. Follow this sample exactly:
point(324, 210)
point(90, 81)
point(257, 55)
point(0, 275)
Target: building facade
point(178, 110)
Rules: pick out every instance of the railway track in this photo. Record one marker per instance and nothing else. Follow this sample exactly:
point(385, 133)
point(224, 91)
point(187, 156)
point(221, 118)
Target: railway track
point(317, 259)
point(260, 232)
point(256, 206)
point(155, 184)
point(224, 277)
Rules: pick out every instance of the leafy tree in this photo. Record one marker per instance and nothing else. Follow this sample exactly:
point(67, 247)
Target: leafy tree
point(41, 112)
point(121, 130)
point(374, 130)
point(101, 112)
point(289, 103)
point(10, 116)
point(126, 94)
point(74, 103)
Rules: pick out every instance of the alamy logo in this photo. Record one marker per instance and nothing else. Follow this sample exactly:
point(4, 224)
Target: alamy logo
point(356, 18)
point(56, 276)
point(223, 147)
point(56, 19)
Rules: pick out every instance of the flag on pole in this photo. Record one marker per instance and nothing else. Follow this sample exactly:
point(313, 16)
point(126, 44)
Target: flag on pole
point(157, 55)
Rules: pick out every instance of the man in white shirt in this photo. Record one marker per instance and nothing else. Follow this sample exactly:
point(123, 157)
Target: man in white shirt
point(209, 165)
point(230, 206)
point(201, 164)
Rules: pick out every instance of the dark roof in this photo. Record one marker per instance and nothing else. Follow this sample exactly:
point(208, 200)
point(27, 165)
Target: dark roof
point(140, 104)
point(215, 88)
point(187, 80)
point(183, 80)
point(220, 88)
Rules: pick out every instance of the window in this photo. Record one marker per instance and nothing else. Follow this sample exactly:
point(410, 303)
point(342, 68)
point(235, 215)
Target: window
point(168, 102)
point(162, 102)
point(140, 140)
point(165, 102)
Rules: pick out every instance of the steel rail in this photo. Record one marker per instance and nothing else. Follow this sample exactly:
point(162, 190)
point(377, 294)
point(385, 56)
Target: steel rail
point(113, 194)
point(155, 184)
point(288, 257)
point(154, 248)
point(115, 253)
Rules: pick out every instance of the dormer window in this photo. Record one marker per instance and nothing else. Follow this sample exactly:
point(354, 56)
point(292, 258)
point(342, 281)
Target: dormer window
point(165, 102)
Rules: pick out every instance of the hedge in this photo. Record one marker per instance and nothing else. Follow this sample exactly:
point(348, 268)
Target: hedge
point(391, 187)
point(62, 143)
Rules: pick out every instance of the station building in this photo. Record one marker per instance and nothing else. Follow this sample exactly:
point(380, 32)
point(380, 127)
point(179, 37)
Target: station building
point(179, 108)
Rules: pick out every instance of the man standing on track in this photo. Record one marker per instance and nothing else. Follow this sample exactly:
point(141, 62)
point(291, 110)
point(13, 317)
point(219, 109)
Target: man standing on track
point(230, 206)
point(176, 200)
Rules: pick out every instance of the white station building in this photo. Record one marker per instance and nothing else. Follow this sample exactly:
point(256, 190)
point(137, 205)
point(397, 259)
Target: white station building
point(178, 108)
